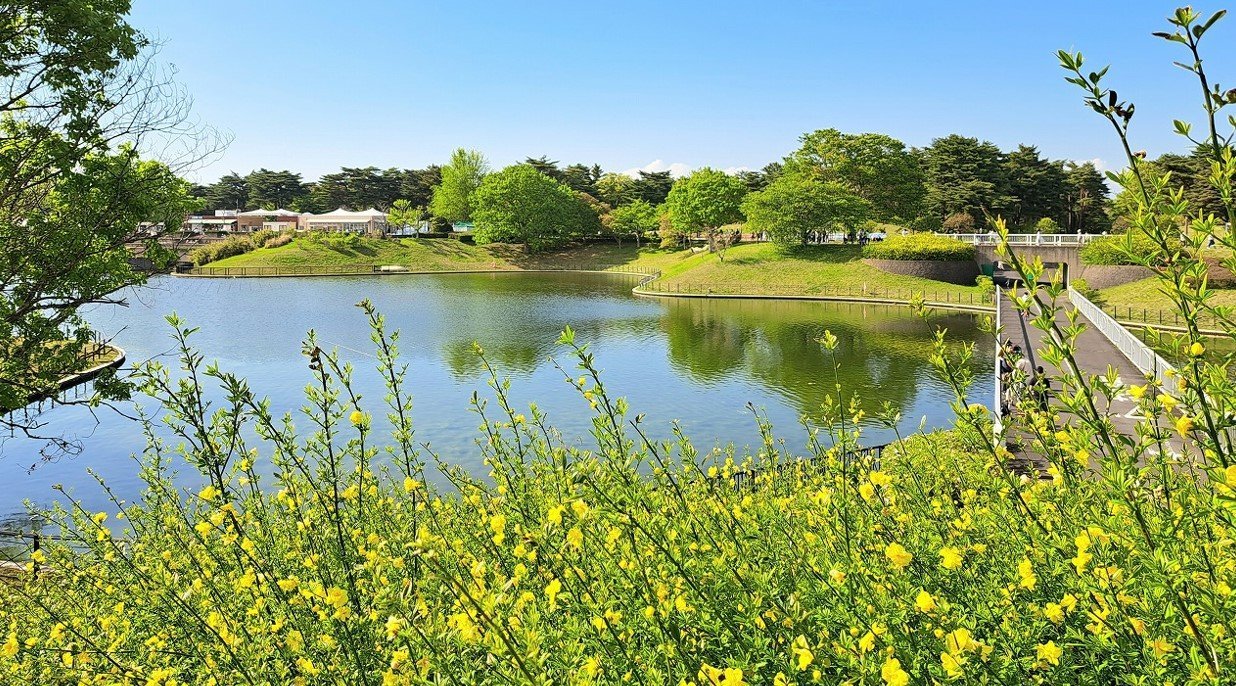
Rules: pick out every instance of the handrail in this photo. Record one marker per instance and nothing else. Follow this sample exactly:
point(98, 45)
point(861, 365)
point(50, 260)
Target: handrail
point(997, 407)
point(376, 268)
point(1140, 354)
point(1031, 239)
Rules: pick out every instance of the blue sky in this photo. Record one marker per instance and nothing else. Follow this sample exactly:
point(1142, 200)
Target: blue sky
point(312, 85)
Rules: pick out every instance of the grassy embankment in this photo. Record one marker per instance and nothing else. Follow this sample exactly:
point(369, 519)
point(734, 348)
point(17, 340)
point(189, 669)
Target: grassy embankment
point(748, 269)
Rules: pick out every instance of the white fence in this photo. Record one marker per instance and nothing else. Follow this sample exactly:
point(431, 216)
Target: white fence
point(992, 238)
point(1133, 348)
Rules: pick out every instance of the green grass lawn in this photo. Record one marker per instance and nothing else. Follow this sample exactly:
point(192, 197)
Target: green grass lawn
point(764, 268)
point(749, 269)
point(1144, 301)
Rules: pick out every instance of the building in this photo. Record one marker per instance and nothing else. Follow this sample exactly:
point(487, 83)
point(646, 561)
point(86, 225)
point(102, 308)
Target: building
point(273, 220)
point(369, 221)
point(219, 221)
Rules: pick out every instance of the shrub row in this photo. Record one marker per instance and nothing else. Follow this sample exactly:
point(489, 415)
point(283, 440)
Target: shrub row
point(919, 246)
point(1119, 249)
point(238, 245)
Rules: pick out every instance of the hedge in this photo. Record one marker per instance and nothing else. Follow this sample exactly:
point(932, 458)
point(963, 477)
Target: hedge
point(919, 246)
point(1117, 250)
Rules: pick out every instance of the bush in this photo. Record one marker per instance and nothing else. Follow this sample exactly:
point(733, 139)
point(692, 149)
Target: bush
point(213, 252)
point(985, 283)
point(279, 240)
point(1121, 249)
point(1083, 287)
point(1047, 225)
point(960, 222)
point(919, 246)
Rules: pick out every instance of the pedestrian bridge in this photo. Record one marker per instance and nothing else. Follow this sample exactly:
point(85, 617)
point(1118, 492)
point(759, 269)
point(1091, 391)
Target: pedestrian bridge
point(1102, 344)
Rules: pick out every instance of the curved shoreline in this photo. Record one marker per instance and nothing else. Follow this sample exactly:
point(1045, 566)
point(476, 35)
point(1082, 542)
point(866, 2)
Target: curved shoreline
point(73, 380)
point(638, 290)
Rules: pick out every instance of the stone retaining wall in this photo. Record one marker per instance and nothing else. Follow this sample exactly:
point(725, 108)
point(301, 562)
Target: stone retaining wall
point(960, 272)
point(1108, 275)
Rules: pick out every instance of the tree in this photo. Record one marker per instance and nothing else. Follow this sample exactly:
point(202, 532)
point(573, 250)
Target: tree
point(1037, 186)
point(876, 167)
point(704, 202)
point(583, 179)
point(966, 176)
point(403, 214)
point(632, 219)
point(795, 205)
point(1087, 199)
point(75, 205)
point(753, 180)
point(230, 192)
point(452, 198)
point(273, 189)
point(616, 189)
point(652, 187)
point(416, 185)
point(521, 205)
point(546, 166)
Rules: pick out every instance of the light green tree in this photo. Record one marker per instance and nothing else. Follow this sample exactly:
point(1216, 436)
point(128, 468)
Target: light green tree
point(704, 202)
point(403, 215)
point(633, 219)
point(452, 199)
point(795, 205)
point(876, 167)
point(521, 205)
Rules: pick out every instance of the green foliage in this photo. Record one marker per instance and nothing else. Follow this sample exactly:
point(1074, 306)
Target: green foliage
point(633, 219)
point(1088, 200)
point(403, 215)
point(521, 205)
point(616, 189)
point(1046, 225)
point(1038, 186)
point(1083, 287)
point(705, 201)
point(452, 198)
point(873, 166)
point(965, 176)
point(985, 283)
point(960, 222)
point(1119, 249)
point(919, 246)
point(218, 250)
point(272, 189)
point(795, 205)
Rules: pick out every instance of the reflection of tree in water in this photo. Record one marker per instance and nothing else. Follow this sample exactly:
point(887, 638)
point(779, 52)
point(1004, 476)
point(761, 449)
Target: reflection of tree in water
point(884, 352)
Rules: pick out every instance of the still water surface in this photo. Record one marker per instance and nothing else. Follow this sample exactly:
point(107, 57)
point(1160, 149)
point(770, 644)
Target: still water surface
point(695, 361)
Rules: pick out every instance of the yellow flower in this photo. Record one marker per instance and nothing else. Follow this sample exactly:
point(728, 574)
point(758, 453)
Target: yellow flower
point(288, 585)
point(497, 523)
point(1054, 612)
point(1026, 572)
point(867, 642)
point(950, 558)
point(802, 654)
point(208, 493)
point(409, 484)
point(924, 602)
point(1229, 475)
point(552, 589)
point(1184, 425)
point(575, 538)
point(838, 577)
point(898, 555)
point(880, 479)
point(99, 518)
point(555, 514)
point(591, 666)
point(10, 645)
point(951, 664)
point(1167, 401)
point(1161, 647)
point(580, 508)
point(1049, 652)
point(893, 674)
point(357, 418)
point(1197, 349)
point(960, 641)
point(867, 491)
point(1137, 392)
point(713, 676)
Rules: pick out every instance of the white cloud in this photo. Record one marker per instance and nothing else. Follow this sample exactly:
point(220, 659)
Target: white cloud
point(676, 169)
point(1098, 163)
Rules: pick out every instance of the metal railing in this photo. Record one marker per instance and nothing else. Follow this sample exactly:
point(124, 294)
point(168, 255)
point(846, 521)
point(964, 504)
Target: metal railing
point(997, 406)
point(1140, 354)
point(967, 297)
point(1024, 239)
point(748, 478)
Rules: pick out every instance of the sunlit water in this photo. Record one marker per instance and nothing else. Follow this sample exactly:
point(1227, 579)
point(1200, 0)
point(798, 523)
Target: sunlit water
point(694, 361)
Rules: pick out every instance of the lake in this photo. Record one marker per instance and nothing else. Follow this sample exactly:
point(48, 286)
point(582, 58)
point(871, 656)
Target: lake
point(695, 361)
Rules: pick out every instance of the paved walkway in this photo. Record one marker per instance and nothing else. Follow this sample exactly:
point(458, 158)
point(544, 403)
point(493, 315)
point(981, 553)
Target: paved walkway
point(1094, 355)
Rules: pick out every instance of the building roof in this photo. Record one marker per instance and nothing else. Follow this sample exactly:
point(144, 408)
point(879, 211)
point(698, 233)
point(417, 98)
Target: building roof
point(342, 215)
point(268, 213)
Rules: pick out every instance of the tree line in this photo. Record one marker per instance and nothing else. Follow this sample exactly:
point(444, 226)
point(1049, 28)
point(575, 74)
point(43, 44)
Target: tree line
point(832, 180)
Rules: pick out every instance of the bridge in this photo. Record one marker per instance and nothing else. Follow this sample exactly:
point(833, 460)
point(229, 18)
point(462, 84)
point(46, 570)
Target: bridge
point(1102, 344)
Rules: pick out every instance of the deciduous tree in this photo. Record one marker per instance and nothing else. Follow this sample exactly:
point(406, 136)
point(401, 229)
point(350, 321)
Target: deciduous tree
point(705, 201)
point(521, 205)
point(795, 205)
point(876, 167)
point(452, 198)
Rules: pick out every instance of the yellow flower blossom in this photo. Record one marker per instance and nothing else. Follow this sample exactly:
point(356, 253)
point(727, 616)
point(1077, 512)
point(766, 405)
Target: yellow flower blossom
point(1137, 392)
point(1049, 653)
point(575, 538)
point(803, 656)
point(893, 674)
point(555, 514)
point(1025, 572)
point(552, 589)
point(580, 508)
point(924, 602)
point(1197, 349)
point(951, 665)
point(1054, 613)
point(10, 645)
point(1161, 647)
point(880, 479)
point(357, 418)
point(497, 524)
point(208, 493)
point(898, 555)
point(867, 491)
point(950, 558)
point(1229, 476)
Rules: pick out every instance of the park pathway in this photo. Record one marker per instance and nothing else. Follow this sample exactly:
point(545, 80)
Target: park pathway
point(1094, 354)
